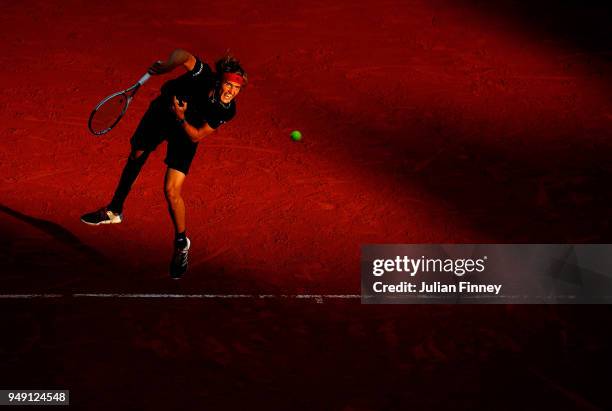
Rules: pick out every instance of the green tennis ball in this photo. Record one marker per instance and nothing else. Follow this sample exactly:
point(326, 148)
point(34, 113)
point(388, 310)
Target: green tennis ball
point(296, 135)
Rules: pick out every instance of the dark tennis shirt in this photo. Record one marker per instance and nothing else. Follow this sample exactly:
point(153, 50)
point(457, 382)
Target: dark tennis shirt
point(200, 89)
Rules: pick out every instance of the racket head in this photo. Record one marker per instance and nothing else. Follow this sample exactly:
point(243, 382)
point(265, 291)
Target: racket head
point(108, 112)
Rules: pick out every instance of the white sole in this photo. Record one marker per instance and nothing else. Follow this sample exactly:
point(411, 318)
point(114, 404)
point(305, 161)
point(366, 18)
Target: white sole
point(102, 222)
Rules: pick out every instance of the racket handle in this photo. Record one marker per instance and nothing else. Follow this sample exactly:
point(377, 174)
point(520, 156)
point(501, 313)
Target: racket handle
point(144, 79)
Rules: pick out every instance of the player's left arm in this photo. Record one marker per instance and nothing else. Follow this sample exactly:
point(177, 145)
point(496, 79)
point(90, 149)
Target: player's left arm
point(195, 134)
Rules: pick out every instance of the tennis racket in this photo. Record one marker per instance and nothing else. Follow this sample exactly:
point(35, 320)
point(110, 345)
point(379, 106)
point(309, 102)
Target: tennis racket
point(109, 111)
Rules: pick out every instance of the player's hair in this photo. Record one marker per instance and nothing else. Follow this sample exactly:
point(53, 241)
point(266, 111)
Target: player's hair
point(230, 64)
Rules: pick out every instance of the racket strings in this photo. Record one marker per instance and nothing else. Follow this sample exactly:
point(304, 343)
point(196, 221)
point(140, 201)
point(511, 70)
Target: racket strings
point(108, 113)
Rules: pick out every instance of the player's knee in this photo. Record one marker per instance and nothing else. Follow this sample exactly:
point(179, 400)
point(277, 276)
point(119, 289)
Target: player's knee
point(173, 193)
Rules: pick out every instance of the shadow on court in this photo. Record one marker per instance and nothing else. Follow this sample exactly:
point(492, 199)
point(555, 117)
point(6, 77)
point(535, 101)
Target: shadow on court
point(59, 234)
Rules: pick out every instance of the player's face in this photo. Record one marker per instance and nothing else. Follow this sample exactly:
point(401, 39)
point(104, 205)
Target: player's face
point(229, 90)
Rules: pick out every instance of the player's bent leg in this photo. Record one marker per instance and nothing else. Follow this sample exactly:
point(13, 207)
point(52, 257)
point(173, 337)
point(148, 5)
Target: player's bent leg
point(113, 213)
point(133, 166)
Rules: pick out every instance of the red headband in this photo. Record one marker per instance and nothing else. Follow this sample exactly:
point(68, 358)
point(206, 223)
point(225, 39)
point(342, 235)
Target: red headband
point(234, 78)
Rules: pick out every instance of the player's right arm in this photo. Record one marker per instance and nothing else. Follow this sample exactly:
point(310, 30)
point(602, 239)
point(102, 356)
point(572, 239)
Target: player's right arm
point(195, 134)
point(178, 57)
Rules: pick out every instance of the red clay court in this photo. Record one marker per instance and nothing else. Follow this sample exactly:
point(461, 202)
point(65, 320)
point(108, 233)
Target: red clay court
point(423, 122)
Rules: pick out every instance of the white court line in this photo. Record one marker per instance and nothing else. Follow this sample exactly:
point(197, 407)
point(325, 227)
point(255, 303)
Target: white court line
point(17, 296)
point(317, 297)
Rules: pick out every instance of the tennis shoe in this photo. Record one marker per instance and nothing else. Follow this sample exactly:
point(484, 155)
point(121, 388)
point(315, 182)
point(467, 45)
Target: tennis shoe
point(178, 265)
point(102, 216)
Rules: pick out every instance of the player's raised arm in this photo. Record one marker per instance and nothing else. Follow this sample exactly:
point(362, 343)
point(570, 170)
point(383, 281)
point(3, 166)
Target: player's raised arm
point(177, 58)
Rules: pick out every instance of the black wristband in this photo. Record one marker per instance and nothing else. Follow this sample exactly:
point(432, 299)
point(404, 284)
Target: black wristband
point(180, 121)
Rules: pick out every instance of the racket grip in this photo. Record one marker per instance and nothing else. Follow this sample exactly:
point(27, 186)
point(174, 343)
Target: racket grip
point(144, 79)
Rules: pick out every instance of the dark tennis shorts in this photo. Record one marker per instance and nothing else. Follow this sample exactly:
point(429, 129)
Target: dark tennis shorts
point(158, 124)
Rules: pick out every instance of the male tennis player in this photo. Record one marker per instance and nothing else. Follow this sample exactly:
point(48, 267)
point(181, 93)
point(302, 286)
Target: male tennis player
point(188, 109)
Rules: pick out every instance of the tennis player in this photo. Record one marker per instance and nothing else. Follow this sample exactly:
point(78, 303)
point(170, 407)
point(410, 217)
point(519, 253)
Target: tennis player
point(188, 109)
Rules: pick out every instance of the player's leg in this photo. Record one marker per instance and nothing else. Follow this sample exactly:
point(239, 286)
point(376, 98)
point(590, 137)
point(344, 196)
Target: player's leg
point(179, 156)
point(176, 205)
point(145, 139)
point(113, 213)
point(173, 185)
point(136, 160)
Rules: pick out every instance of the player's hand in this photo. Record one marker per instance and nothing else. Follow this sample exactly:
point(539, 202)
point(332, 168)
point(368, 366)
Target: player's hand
point(160, 67)
point(179, 108)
